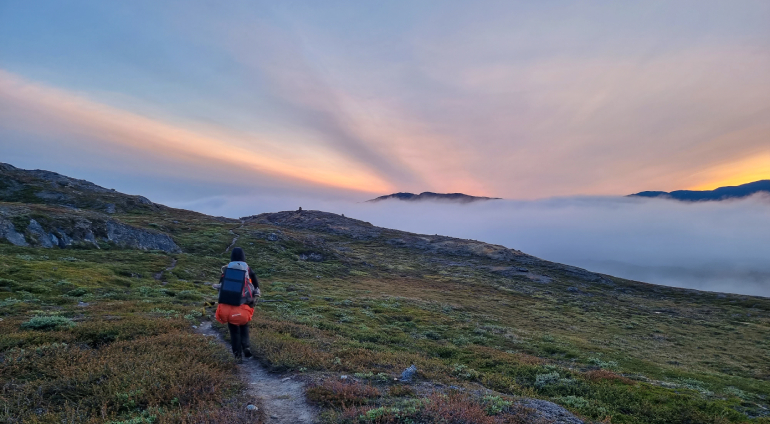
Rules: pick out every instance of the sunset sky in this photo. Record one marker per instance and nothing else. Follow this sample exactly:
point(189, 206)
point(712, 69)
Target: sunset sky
point(522, 100)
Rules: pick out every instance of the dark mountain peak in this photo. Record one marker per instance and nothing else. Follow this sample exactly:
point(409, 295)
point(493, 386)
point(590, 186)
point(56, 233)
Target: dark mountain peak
point(721, 193)
point(427, 195)
point(50, 188)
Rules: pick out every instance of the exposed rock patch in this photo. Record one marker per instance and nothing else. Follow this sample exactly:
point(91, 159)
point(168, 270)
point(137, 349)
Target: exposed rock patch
point(136, 238)
point(311, 257)
point(8, 232)
point(52, 227)
point(39, 236)
point(550, 412)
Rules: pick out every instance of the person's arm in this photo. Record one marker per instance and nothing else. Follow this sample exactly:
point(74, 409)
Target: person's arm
point(253, 277)
point(255, 283)
point(221, 278)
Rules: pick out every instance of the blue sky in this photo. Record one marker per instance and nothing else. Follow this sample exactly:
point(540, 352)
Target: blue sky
point(184, 100)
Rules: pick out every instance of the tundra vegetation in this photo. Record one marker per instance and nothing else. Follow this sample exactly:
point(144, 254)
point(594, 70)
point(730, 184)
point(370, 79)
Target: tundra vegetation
point(100, 331)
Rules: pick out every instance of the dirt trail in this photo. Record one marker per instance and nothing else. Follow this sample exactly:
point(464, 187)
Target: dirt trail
point(282, 399)
point(235, 239)
point(171, 267)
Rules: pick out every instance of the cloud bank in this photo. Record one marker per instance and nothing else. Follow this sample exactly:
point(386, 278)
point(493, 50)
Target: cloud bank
point(714, 246)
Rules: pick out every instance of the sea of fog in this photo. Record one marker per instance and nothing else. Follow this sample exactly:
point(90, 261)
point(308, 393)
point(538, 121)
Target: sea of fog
point(715, 246)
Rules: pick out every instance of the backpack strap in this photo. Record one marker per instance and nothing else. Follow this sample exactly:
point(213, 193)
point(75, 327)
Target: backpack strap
point(248, 288)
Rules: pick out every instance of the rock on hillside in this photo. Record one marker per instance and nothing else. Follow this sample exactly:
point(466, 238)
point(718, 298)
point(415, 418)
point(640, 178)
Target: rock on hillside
point(43, 226)
point(46, 187)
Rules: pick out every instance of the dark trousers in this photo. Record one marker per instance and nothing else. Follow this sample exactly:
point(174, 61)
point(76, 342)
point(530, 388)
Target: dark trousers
point(239, 337)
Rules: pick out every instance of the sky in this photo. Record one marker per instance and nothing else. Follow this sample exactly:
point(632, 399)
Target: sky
point(183, 101)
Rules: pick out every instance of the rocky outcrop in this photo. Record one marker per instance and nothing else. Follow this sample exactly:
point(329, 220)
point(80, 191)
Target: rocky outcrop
point(132, 237)
point(9, 233)
point(39, 235)
point(54, 227)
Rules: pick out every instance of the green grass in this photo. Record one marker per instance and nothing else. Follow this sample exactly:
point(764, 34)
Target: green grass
point(369, 310)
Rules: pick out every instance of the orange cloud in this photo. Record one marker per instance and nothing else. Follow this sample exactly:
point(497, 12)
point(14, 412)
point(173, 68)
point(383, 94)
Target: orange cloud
point(55, 110)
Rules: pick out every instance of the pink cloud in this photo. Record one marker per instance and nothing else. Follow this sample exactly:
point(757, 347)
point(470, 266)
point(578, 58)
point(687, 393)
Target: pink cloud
point(40, 109)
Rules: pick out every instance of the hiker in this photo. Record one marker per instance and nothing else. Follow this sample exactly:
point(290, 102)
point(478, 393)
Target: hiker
point(238, 293)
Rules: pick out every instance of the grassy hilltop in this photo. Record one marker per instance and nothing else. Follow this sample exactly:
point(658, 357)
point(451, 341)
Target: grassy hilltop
point(97, 327)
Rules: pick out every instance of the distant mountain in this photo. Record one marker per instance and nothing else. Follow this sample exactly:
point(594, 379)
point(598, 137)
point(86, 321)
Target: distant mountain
point(721, 193)
point(452, 197)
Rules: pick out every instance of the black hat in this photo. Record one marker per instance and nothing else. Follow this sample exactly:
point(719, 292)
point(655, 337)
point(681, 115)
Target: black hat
point(237, 255)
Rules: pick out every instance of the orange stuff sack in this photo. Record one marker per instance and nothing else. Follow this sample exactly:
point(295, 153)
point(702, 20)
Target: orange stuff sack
point(238, 315)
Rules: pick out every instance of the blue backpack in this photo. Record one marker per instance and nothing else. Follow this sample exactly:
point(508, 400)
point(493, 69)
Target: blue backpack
point(236, 288)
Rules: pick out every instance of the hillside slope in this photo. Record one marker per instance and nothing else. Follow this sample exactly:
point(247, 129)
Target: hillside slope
point(504, 335)
point(721, 193)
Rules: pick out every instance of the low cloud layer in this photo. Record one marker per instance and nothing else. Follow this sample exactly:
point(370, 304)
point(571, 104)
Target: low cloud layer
point(714, 246)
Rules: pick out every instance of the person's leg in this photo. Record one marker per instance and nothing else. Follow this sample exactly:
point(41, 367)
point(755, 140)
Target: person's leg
point(235, 339)
point(245, 342)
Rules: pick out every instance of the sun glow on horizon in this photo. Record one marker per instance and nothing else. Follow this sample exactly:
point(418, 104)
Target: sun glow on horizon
point(746, 171)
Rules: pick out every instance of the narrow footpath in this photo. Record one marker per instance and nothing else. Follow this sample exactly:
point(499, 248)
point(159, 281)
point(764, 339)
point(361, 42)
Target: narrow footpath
point(171, 267)
point(236, 236)
point(281, 398)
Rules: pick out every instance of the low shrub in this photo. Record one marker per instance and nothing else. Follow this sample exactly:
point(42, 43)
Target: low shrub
point(454, 408)
point(576, 402)
point(494, 405)
point(400, 391)
point(606, 375)
point(174, 376)
point(550, 378)
point(77, 292)
point(612, 365)
point(98, 331)
point(189, 295)
point(464, 372)
point(46, 323)
point(341, 393)
point(734, 391)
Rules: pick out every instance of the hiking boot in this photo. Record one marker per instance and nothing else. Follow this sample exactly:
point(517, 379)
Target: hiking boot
point(238, 357)
point(247, 353)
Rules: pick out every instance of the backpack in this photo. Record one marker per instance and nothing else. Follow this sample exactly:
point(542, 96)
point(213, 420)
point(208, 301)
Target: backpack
point(236, 288)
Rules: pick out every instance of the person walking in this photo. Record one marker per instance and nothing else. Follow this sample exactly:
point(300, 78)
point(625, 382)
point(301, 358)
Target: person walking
point(238, 292)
